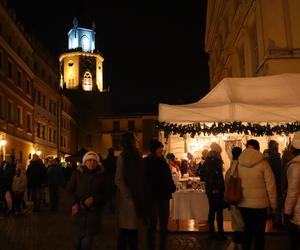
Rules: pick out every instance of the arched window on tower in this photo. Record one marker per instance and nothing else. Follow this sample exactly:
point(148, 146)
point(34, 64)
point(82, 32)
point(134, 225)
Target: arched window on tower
point(85, 43)
point(87, 83)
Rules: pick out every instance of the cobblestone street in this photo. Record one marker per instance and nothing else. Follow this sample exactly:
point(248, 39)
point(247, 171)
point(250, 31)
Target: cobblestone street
point(48, 230)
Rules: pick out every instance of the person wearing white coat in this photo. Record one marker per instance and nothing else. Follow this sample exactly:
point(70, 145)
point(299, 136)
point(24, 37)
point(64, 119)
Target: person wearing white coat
point(259, 193)
point(292, 202)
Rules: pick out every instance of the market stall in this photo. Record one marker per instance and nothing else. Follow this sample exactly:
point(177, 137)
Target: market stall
point(235, 110)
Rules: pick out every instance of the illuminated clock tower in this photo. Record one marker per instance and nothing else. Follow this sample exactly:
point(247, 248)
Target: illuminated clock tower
point(81, 65)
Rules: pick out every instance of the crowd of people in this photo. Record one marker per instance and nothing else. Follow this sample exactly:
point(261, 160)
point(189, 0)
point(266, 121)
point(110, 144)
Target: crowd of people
point(270, 188)
point(138, 190)
point(143, 189)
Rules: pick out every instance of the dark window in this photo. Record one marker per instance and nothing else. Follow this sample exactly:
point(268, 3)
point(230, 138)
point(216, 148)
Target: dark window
point(61, 141)
point(50, 106)
point(21, 156)
point(19, 78)
point(10, 74)
point(29, 129)
point(43, 131)
point(28, 87)
point(131, 125)
point(44, 101)
point(39, 98)
point(54, 108)
point(19, 116)
point(38, 131)
point(116, 126)
point(54, 136)
point(50, 134)
point(10, 112)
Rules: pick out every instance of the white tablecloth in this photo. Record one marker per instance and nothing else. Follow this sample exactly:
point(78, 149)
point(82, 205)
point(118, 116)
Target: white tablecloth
point(189, 204)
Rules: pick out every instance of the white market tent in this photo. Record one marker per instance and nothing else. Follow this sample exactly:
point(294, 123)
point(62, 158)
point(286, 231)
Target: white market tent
point(259, 100)
point(272, 99)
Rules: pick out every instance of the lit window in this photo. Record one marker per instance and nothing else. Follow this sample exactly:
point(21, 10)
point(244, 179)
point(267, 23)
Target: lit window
point(87, 81)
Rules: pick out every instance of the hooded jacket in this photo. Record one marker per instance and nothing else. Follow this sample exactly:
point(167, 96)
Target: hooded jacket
point(292, 202)
point(258, 181)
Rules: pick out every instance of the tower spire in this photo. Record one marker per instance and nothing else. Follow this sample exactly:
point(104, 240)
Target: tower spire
point(75, 23)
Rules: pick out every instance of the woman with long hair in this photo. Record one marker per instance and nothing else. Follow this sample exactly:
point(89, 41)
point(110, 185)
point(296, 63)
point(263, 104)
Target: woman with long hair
point(129, 181)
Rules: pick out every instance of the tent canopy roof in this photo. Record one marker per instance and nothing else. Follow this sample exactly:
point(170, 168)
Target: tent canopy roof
point(273, 99)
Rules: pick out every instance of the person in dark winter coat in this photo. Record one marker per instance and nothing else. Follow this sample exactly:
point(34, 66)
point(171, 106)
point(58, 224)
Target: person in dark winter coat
point(274, 159)
point(36, 178)
point(89, 190)
point(56, 180)
point(215, 188)
point(160, 186)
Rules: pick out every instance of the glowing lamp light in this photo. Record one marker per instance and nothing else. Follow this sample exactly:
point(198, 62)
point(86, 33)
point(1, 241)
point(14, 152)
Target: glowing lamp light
point(37, 152)
point(281, 139)
point(2, 142)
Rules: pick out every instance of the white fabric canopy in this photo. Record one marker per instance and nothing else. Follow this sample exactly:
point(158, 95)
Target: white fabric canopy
point(273, 99)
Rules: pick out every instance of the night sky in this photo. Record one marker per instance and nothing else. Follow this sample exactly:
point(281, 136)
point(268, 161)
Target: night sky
point(154, 52)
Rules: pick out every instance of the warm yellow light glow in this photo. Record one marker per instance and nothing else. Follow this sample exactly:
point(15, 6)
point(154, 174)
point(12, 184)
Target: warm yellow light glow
point(2, 142)
point(87, 84)
point(37, 152)
point(214, 139)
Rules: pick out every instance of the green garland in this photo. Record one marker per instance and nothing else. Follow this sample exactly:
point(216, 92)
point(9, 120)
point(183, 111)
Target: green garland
point(254, 129)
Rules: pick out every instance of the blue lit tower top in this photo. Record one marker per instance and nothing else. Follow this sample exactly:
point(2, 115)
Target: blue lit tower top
point(81, 37)
point(81, 67)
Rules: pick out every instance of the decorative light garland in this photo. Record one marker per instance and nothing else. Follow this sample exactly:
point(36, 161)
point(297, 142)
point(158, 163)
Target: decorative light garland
point(254, 129)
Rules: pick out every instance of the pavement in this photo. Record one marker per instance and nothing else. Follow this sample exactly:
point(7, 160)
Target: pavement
point(48, 230)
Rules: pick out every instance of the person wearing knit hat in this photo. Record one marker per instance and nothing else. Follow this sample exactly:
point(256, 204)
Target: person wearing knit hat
point(292, 201)
point(91, 156)
point(89, 190)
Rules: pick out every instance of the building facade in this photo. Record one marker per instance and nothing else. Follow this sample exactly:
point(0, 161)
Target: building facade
point(29, 95)
point(112, 128)
point(246, 38)
point(54, 109)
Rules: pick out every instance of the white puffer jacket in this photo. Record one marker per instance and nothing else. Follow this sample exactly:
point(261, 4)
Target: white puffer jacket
point(258, 182)
point(292, 202)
